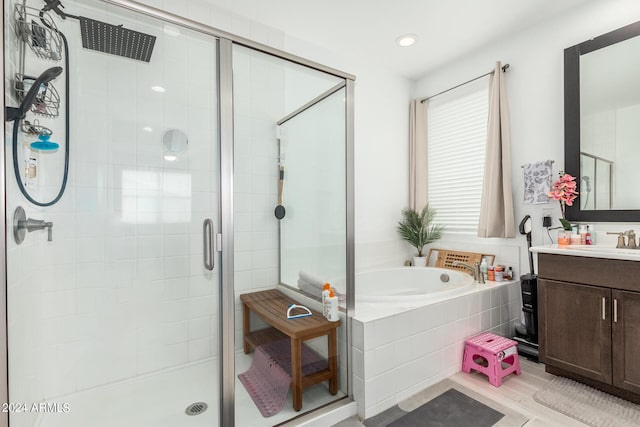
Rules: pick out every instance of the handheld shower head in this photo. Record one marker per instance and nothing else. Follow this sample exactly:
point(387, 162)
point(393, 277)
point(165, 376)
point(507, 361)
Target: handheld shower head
point(44, 78)
point(13, 113)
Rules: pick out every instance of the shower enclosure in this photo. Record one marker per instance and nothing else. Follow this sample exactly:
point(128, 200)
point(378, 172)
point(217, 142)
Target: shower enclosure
point(130, 315)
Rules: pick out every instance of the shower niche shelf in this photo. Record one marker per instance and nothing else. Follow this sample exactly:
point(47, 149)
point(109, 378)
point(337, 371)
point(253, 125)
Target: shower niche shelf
point(38, 32)
point(47, 102)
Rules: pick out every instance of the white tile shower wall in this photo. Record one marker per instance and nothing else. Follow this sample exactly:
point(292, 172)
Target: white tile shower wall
point(120, 291)
point(397, 356)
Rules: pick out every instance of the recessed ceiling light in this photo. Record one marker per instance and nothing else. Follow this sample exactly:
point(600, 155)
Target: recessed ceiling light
point(158, 89)
point(147, 129)
point(170, 157)
point(406, 40)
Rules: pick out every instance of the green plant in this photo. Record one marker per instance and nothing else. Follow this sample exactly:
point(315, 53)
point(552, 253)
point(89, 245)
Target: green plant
point(417, 228)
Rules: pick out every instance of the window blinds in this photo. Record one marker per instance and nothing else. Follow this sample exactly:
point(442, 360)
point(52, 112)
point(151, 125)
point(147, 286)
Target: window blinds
point(457, 132)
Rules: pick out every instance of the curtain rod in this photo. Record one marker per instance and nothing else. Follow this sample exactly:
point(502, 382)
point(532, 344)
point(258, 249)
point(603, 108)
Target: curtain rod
point(504, 68)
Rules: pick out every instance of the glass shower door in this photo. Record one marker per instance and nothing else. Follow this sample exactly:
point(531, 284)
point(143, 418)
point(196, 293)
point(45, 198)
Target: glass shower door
point(115, 321)
point(289, 219)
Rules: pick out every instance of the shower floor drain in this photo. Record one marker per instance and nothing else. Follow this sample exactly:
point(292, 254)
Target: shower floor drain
point(196, 408)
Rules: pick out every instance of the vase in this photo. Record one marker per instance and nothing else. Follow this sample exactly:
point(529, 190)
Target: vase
point(564, 237)
point(419, 261)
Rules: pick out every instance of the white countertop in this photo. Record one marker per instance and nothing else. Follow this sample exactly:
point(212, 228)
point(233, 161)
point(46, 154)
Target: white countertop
point(592, 251)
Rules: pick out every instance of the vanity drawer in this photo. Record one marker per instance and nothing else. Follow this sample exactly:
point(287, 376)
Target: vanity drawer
point(608, 273)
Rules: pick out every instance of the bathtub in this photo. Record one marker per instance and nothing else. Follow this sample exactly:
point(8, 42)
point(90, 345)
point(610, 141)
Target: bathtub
point(409, 328)
point(410, 286)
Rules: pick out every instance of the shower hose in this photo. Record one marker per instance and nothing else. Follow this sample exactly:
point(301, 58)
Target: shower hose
point(16, 126)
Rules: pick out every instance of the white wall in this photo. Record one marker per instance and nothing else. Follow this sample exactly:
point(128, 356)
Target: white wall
point(535, 90)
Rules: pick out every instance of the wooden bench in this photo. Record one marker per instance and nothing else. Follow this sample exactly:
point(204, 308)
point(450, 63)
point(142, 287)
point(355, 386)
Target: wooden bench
point(271, 306)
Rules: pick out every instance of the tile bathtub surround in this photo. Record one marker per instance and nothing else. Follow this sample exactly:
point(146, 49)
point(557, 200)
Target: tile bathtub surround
point(396, 356)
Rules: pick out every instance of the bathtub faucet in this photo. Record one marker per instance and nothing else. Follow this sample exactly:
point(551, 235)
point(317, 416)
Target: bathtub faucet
point(475, 270)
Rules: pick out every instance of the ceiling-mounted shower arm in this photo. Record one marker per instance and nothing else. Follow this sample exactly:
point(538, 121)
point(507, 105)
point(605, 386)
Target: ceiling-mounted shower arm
point(55, 6)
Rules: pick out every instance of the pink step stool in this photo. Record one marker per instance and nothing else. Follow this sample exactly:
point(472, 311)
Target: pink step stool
point(495, 350)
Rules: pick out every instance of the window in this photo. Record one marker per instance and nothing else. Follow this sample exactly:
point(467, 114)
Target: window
point(457, 134)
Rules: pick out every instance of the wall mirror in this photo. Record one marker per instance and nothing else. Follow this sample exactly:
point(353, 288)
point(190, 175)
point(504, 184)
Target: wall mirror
point(602, 125)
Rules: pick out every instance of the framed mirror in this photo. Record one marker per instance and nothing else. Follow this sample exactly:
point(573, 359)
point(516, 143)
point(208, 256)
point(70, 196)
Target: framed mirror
point(602, 125)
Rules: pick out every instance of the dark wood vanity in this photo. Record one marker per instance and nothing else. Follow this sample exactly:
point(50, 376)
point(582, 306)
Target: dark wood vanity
point(589, 321)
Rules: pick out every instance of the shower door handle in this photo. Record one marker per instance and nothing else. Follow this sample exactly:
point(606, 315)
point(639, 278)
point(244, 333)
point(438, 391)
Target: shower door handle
point(208, 249)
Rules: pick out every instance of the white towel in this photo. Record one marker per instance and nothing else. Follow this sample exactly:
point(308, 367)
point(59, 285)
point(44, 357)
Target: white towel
point(312, 279)
point(313, 285)
point(537, 182)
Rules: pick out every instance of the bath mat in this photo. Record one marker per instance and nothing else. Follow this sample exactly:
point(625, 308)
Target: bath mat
point(450, 409)
point(268, 378)
point(587, 405)
point(447, 399)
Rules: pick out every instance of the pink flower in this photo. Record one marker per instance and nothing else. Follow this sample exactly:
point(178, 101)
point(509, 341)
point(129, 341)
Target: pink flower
point(564, 190)
point(556, 194)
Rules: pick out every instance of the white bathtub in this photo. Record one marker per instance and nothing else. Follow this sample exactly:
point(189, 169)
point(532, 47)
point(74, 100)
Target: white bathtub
point(410, 285)
point(409, 329)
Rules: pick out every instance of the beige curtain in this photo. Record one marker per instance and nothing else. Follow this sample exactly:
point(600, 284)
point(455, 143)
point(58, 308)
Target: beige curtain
point(496, 209)
point(418, 155)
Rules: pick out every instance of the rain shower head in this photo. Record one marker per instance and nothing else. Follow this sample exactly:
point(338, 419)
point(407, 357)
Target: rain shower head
point(37, 90)
point(108, 38)
point(116, 40)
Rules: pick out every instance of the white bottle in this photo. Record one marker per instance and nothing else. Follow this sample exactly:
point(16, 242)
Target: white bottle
point(483, 269)
point(326, 289)
point(333, 307)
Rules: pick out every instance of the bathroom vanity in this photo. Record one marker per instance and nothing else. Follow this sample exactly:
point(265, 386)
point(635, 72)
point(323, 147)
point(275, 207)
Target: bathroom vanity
point(589, 316)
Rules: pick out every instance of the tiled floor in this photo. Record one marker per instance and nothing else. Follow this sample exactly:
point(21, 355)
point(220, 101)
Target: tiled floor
point(160, 399)
point(516, 393)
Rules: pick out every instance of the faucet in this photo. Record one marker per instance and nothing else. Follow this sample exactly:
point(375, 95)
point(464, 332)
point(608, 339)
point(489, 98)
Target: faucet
point(631, 239)
point(475, 270)
point(621, 242)
point(629, 243)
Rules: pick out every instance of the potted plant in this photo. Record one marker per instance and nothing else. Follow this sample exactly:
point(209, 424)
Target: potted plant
point(417, 229)
point(565, 191)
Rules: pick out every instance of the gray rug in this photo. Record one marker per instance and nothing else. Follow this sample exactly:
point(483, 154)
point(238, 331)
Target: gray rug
point(450, 409)
point(447, 404)
point(588, 405)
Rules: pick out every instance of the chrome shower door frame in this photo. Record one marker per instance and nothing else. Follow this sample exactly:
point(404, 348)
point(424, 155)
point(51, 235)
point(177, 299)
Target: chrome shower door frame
point(4, 367)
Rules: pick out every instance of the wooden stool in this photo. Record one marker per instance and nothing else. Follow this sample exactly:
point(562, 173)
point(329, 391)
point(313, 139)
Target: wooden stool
point(495, 350)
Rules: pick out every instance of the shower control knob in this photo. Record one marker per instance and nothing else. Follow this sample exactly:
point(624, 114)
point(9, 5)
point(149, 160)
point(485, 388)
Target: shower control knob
point(22, 224)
